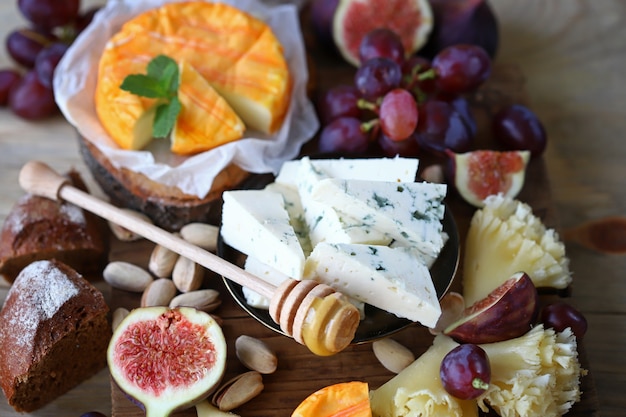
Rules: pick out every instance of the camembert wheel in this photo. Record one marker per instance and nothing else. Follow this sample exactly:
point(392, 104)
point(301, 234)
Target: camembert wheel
point(238, 55)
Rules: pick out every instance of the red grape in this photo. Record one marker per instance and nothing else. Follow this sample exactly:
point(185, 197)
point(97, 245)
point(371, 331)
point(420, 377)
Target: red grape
point(49, 14)
point(461, 68)
point(407, 147)
point(345, 134)
point(560, 315)
point(398, 114)
point(465, 371)
point(341, 100)
point(25, 44)
point(377, 76)
point(462, 106)
point(9, 78)
point(381, 43)
point(518, 128)
point(442, 127)
point(46, 62)
point(32, 100)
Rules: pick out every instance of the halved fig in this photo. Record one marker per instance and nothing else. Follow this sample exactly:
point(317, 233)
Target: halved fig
point(412, 20)
point(167, 359)
point(478, 174)
point(507, 312)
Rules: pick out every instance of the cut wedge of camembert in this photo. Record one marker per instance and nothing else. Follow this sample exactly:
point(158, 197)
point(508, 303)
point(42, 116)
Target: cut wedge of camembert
point(205, 120)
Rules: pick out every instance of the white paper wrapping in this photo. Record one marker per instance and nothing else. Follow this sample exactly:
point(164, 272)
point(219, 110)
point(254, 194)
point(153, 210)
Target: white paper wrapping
point(76, 77)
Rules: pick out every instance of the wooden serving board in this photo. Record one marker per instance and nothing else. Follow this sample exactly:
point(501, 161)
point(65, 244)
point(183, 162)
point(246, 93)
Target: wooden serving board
point(300, 372)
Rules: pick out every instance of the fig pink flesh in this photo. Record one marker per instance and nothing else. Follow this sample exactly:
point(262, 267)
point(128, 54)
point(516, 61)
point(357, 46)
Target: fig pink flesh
point(169, 351)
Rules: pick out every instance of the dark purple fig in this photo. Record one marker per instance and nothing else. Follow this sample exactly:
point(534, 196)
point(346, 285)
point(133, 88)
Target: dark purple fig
point(322, 14)
point(462, 21)
point(506, 313)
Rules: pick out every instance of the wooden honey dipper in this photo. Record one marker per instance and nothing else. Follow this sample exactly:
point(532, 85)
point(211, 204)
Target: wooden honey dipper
point(314, 314)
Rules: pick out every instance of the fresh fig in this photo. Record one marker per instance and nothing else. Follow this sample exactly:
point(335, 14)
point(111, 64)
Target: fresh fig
point(507, 312)
point(479, 174)
point(411, 20)
point(462, 21)
point(167, 359)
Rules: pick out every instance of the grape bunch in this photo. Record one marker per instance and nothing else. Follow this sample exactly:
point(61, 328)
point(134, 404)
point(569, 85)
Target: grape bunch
point(27, 88)
point(409, 106)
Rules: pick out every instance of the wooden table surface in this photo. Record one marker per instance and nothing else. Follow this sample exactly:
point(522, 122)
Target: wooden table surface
point(572, 53)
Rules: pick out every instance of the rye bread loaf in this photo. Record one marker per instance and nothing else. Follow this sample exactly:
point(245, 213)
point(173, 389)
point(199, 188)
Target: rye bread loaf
point(54, 334)
point(39, 228)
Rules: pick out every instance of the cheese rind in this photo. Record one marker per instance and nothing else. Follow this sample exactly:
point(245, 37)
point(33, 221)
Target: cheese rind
point(410, 213)
point(256, 223)
point(392, 279)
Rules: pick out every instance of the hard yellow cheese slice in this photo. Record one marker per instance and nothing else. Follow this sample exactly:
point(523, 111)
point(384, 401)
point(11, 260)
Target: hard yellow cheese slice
point(235, 52)
point(205, 119)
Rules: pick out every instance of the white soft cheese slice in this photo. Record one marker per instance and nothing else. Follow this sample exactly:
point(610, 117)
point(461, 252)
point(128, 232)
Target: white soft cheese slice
point(324, 223)
point(266, 273)
point(410, 212)
point(256, 223)
point(392, 279)
point(376, 169)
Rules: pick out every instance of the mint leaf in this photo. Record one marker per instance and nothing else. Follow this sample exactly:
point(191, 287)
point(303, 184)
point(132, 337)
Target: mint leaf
point(161, 82)
point(165, 118)
point(164, 69)
point(144, 86)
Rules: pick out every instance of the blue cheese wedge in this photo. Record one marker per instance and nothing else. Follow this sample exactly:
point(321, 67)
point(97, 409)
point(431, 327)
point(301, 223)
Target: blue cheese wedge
point(392, 279)
point(410, 213)
point(325, 224)
point(384, 169)
point(293, 205)
point(256, 223)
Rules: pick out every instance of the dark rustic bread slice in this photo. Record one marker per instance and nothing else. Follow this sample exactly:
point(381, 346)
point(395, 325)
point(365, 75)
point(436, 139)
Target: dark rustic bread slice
point(39, 228)
point(54, 334)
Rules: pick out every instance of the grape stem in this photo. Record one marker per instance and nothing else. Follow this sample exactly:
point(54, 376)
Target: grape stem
point(478, 383)
point(367, 105)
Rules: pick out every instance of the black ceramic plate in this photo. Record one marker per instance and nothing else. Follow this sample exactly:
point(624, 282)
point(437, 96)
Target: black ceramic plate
point(377, 323)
